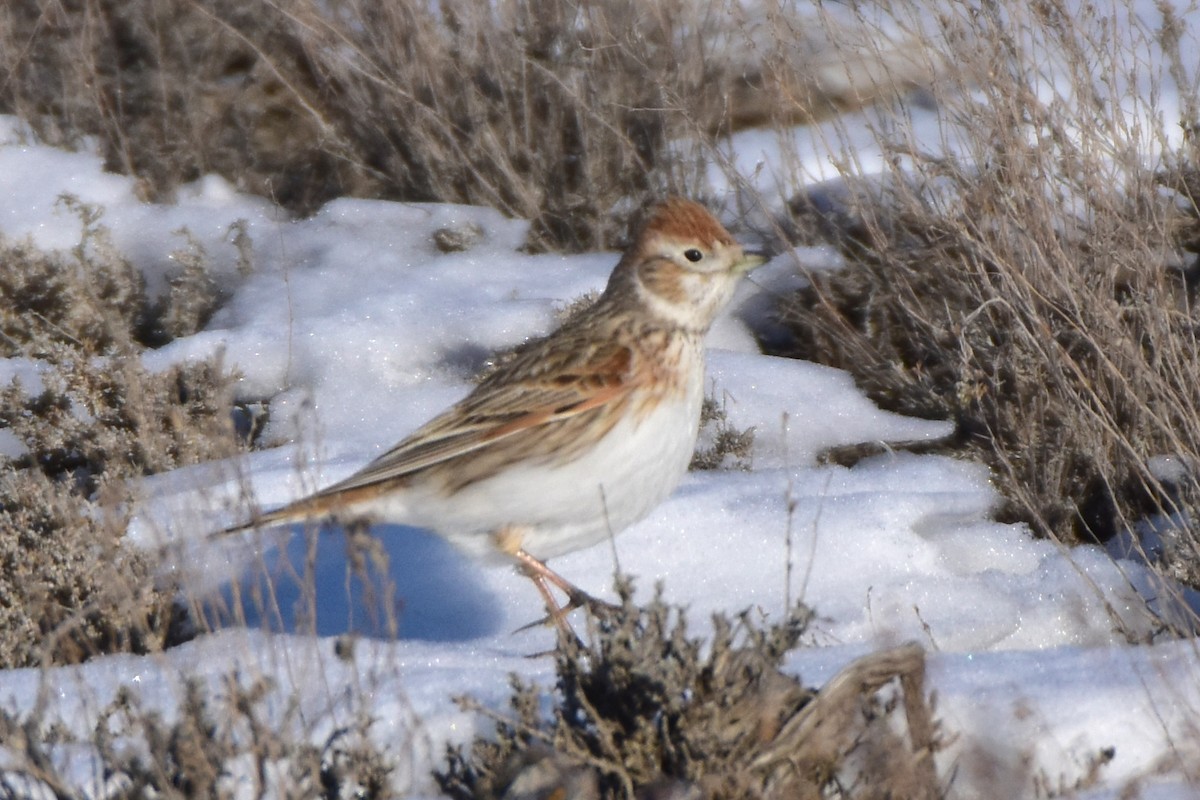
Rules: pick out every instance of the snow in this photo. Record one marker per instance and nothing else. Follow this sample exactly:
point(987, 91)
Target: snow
point(357, 329)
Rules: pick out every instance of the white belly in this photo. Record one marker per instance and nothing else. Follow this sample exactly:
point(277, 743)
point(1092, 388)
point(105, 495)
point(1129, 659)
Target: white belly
point(565, 507)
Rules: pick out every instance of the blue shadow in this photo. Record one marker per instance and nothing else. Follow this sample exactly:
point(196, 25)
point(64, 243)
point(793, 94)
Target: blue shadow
point(395, 581)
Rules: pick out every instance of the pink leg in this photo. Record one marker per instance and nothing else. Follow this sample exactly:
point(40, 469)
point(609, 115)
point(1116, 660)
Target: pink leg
point(542, 576)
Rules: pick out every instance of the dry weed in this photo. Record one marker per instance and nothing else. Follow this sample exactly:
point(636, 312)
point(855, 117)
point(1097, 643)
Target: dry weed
point(721, 445)
point(646, 709)
point(555, 112)
point(97, 421)
point(1038, 290)
point(541, 110)
point(222, 741)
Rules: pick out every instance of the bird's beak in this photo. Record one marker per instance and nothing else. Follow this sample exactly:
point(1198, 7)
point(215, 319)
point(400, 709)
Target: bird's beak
point(751, 259)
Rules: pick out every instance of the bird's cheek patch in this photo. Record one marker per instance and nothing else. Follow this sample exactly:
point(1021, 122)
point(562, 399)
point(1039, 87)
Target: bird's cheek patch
point(666, 280)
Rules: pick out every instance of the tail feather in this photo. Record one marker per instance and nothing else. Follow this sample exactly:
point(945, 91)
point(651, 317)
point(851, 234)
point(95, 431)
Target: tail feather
point(340, 498)
point(310, 508)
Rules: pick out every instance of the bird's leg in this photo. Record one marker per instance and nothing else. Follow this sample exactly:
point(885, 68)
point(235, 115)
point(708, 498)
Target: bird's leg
point(508, 540)
point(541, 575)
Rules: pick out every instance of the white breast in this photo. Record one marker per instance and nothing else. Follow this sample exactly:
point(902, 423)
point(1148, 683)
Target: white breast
point(565, 507)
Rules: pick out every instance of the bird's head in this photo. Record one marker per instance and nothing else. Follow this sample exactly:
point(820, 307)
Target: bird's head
point(683, 265)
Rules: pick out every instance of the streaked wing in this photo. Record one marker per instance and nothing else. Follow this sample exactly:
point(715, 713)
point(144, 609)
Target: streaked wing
point(528, 398)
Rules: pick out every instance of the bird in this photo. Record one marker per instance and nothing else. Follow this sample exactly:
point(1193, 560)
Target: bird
point(581, 434)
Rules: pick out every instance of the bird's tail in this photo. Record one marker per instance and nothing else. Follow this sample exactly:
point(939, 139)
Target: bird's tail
point(315, 507)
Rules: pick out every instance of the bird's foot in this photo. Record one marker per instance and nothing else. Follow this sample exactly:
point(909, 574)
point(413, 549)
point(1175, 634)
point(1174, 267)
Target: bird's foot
point(543, 578)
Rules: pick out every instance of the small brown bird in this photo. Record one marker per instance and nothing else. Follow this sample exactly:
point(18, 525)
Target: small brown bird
point(582, 433)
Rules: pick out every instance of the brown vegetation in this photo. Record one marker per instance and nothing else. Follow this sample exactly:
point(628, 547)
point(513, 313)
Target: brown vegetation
point(98, 420)
point(645, 711)
point(552, 112)
point(1038, 289)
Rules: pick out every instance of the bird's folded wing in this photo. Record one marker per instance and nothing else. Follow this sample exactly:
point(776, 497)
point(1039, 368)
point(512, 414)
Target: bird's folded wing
point(496, 412)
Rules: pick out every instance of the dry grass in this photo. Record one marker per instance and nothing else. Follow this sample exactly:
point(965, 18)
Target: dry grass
point(721, 445)
point(644, 709)
point(1038, 289)
point(539, 110)
point(224, 740)
point(98, 421)
point(560, 113)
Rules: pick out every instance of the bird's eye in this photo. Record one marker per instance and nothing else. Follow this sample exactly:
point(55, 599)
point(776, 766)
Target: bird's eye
point(693, 255)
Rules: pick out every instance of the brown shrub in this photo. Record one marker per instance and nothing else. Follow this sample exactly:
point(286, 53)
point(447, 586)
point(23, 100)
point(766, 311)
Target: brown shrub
point(98, 421)
point(1039, 291)
point(221, 737)
point(644, 709)
point(550, 112)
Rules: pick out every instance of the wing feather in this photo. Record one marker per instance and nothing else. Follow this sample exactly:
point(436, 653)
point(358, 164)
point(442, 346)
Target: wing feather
point(527, 400)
